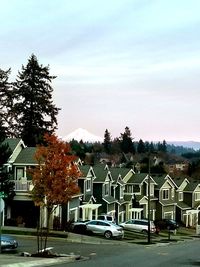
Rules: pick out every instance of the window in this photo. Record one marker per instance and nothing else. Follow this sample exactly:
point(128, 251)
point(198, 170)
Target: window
point(121, 192)
point(165, 194)
point(151, 190)
point(129, 189)
point(88, 185)
point(106, 189)
point(172, 192)
point(180, 196)
point(197, 196)
point(19, 173)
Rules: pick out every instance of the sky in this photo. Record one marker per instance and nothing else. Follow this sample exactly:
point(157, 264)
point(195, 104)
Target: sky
point(118, 63)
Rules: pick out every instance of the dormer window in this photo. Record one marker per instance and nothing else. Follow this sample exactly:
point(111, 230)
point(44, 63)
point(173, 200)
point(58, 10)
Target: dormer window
point(129, 189)
point(180, 196)
point(106, 189)
point(151, 190)
point(121, 192)
point(197, 196)
point(88, 185)
point(165, 194)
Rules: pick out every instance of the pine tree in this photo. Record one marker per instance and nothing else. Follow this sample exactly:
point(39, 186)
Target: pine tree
point(6, 185)
point(107, 142)
point(141, 147)
point(35, 113)
point(126, 142)
point(6, 100)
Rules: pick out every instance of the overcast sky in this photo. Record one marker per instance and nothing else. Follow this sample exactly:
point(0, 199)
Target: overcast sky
point(118, 63)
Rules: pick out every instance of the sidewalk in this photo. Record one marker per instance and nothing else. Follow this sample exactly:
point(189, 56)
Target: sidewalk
point(19, 261)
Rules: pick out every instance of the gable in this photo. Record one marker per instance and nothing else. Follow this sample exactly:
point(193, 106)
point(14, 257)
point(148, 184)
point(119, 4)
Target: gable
point(26, 157)
point(183, 185)
point(15, 145)
point(167, 184)
point(128, 176)
point(197, 189)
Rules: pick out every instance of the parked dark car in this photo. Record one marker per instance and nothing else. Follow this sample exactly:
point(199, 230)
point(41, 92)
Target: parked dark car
point(8, 243)
point(166, 224)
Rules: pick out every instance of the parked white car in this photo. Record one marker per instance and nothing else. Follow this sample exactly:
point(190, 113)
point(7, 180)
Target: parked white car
point(100, 227)
point(106, 217)
point(139, 225)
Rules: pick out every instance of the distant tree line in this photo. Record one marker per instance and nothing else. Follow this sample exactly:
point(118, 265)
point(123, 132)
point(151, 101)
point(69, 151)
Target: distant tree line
point(123, 144)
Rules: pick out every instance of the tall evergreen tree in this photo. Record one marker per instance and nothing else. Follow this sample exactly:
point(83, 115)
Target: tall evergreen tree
point(141, 146)
point(162, 146)
point(35, 113)
point(126, 142)
point(6, 100)
point(107, 142)
point(6, 185)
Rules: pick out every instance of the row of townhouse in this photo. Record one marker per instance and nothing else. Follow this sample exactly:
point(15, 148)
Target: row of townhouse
point(119, 192)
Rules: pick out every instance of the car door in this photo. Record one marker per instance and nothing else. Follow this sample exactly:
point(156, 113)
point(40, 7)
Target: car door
point(129, 225)
point(92, 226)
point(102, 227)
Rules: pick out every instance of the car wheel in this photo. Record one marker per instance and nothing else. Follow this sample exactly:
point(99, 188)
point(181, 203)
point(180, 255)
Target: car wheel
point(144, 231)
point(108, 234)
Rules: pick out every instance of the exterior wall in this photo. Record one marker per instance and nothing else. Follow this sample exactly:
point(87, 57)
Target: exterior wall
point(169, 212)
point(187, 197)
point(158, 211)
point(73, 209)
point(97, 192)
point(111, 207)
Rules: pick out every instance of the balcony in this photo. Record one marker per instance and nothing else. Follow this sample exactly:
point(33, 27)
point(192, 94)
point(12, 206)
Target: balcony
point(22, 186)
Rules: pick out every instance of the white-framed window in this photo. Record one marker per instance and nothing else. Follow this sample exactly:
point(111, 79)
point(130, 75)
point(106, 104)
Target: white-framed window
point(121, 192)
point(197, 196)
point(169, 215)
point(151, 190)
point(129, 189)
point(172, 192)
point(165, 194)
point(88, 185)
point(106, 189)
point(19, 173)
point(180, 196)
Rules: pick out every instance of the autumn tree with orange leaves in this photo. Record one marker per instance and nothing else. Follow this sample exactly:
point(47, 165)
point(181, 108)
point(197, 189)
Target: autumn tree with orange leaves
point(55, 178)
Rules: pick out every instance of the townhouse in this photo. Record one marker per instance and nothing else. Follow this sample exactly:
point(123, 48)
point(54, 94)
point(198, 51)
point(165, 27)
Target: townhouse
point(119, 192)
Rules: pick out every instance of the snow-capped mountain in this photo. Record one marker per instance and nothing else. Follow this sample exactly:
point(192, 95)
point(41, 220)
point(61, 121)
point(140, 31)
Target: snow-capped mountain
point(82, 134)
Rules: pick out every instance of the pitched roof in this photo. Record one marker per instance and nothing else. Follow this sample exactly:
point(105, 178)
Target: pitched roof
point(109, 199)
point(167, 202)
point(178, 180)
point(84, 170)
point(191, 186)
point(26, 156)
point(182, 205)
point(100, 174)
point(160, 180)
point(137, 178)
point(12, 142)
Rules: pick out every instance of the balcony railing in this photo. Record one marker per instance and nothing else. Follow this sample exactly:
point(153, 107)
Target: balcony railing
point(23, 186)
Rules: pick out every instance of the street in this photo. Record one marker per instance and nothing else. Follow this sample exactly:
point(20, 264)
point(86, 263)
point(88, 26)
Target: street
point(183, 253)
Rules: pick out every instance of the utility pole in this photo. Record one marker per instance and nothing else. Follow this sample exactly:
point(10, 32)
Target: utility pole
point(149, 202)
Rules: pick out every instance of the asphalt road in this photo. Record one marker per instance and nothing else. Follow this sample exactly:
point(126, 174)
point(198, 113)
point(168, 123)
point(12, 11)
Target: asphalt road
point(183, 253)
